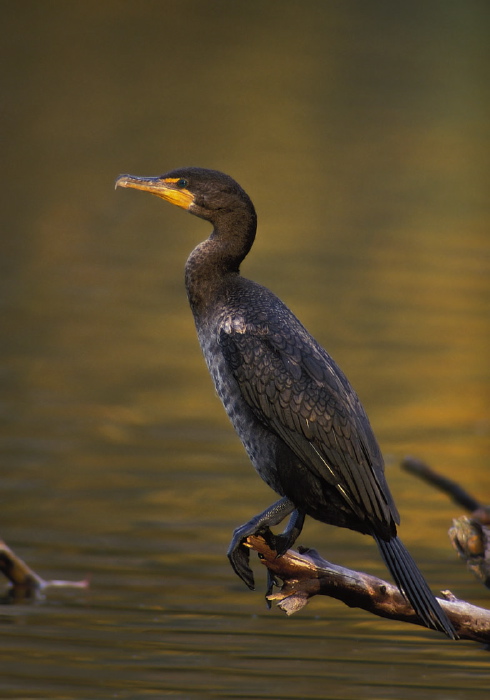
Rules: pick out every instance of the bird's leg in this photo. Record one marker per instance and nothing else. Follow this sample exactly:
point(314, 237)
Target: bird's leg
point(281, 543)
point(239, 555)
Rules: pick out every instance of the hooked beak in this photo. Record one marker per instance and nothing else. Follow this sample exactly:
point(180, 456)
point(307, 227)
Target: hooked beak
point(165, 188)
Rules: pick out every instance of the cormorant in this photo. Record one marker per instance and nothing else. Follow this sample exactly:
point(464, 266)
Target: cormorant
point(293, 408)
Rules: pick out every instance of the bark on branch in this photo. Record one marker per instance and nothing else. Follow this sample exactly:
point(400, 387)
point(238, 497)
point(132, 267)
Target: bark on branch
point(305, 574)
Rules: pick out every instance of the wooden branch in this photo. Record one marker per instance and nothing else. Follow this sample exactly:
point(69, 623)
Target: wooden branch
point(305, 574)
point(25, 582)
point(452, 488)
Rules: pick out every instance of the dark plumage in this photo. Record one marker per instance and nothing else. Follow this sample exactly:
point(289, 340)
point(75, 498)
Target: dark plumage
point(298, 417)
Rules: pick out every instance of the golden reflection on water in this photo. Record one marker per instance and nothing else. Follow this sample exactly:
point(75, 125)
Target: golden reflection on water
point(361, 133)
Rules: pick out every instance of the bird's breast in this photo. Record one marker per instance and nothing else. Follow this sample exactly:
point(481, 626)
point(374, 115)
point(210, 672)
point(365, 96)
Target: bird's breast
point(260, 443)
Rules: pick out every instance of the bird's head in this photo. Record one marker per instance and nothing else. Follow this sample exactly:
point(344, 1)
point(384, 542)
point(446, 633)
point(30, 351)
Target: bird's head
point(204, 193)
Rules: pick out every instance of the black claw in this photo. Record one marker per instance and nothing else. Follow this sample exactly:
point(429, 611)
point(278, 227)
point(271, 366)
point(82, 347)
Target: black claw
point(271, 583)
point(280, 544)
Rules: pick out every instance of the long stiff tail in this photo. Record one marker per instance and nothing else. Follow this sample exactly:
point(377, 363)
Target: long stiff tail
point(413, 585)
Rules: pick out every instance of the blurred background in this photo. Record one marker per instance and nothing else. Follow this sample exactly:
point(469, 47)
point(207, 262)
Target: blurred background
point(361, 133)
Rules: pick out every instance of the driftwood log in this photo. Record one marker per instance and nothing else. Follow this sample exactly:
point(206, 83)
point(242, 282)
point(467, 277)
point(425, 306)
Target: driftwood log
point(25, 583)
point(305, 574)
point(470, 536)
point(471, 540)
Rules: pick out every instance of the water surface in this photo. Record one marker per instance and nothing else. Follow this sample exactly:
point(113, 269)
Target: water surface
point(361, 133)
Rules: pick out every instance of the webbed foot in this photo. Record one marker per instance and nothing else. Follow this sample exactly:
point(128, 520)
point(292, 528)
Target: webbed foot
point(239, 554)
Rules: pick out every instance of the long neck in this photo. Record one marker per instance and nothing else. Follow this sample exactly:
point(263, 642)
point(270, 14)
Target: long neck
point(219, 257)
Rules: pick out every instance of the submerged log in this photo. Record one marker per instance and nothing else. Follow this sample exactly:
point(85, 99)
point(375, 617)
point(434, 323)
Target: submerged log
point(25, 583)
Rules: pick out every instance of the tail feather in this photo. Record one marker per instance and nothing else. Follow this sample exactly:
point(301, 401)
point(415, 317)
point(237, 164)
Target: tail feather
point(413, 585)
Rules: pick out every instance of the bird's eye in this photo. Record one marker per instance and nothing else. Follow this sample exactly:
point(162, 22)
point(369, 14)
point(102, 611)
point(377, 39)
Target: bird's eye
point(182, 182)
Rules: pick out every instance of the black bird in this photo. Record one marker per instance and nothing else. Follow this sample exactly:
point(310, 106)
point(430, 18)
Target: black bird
point(293, 408)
